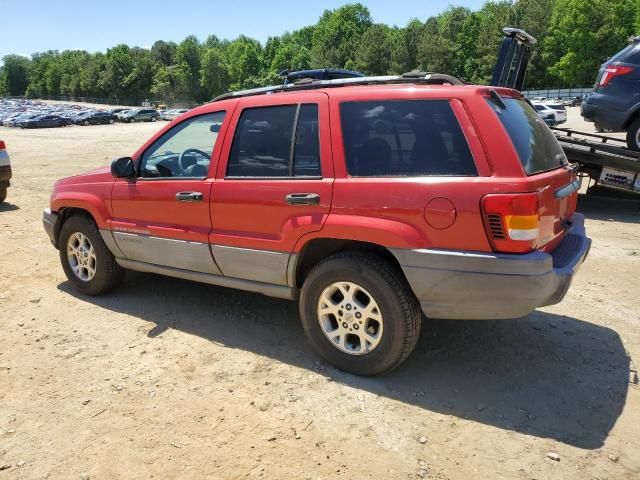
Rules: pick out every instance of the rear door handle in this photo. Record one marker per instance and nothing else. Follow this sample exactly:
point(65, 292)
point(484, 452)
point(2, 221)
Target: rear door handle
point(189, 196)
point(302, 199)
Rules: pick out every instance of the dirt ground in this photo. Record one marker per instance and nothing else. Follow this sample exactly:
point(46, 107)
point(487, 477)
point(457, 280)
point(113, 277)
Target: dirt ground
point(167, 379)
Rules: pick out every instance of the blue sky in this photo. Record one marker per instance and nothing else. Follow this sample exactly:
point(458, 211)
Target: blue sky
point(30, 26)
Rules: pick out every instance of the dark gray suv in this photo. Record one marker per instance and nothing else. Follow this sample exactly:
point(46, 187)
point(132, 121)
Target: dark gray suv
point(615, 101)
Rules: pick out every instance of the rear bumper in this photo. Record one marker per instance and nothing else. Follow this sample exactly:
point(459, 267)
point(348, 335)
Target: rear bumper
point(484, 286)
point(605, 117)
point(50, 222)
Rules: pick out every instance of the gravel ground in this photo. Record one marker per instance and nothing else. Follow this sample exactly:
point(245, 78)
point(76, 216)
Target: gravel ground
point(166, 378)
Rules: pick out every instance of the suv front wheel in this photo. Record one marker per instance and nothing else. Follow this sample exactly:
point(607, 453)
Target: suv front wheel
point(86, 260)
point(359, 313)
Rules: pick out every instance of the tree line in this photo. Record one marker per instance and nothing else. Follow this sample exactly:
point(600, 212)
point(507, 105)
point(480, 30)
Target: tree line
point(574, 38)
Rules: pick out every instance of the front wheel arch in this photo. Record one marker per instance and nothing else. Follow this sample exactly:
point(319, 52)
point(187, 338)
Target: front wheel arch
point(65, 215)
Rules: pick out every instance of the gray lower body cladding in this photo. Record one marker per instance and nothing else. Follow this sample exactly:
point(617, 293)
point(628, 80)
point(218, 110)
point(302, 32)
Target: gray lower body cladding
point(448, 284)
point(483, 286)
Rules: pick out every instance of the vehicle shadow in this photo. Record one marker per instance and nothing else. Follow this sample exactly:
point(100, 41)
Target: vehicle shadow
point(544, 375)
point(8, 207)
point(595, 207)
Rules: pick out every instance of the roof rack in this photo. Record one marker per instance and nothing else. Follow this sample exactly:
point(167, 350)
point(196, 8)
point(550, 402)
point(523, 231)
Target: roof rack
point(305, 83)
point(318, 74)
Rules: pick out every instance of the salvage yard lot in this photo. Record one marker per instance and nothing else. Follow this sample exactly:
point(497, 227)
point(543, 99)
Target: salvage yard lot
point(165, 378)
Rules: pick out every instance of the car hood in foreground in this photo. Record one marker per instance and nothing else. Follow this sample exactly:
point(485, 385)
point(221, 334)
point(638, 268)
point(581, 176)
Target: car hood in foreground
point(99, 175)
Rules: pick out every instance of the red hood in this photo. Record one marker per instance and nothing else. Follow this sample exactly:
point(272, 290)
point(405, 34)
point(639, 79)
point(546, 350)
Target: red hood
point(99, 175)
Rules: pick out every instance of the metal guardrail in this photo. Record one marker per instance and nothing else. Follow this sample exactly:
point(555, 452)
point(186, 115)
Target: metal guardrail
point(559, 92)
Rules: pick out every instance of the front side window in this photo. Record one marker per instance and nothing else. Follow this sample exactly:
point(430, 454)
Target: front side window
point(404, 138)
point(185, 150)
point(278, 141)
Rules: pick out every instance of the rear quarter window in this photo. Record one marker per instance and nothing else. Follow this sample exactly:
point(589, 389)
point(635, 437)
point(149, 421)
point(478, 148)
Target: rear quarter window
point(404, 138)
point(537, 147)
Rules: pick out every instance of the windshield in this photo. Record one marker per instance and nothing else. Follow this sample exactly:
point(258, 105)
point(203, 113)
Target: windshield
point(537, 147)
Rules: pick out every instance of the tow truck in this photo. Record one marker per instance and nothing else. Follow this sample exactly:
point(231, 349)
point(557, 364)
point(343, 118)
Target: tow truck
point(603, 159)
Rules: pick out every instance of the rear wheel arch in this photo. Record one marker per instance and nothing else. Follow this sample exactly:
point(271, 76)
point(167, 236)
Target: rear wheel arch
point(633, 116)
point(317, 249)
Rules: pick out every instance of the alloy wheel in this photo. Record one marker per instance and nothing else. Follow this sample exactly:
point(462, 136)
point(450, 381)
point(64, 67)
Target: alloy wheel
point(350, 318)
point(81, 256)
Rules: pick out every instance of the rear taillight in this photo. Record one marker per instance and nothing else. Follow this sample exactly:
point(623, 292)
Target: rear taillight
point(512, 221)
point(2, 145)
point(613, 71)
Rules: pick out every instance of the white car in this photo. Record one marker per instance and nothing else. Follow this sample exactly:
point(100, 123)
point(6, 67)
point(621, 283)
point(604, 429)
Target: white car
point(172, 114)
point(559, 110)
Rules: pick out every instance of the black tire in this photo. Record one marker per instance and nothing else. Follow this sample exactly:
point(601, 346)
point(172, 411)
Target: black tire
point(3, 194)
point(401, 313)
point(633, 135)
point(108, 273)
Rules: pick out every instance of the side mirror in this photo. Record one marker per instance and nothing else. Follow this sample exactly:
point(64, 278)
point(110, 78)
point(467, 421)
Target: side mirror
point(215, 128)
point(123, 168)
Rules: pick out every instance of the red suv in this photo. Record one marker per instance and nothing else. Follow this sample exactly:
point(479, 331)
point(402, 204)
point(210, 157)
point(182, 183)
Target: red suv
point(369, 200)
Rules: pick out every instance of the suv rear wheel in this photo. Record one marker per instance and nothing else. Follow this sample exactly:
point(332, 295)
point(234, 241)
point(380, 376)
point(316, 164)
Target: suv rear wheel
point(86, 260)
point(633, 135)
point(359, 313)
point(3, 194)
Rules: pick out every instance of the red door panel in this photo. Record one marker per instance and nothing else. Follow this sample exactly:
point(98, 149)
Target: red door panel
point(151, 208)
point(253, 212)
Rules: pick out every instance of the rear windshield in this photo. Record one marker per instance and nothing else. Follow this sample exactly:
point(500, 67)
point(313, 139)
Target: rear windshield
point(537, 147)
point(404, 138)
point(629, 54)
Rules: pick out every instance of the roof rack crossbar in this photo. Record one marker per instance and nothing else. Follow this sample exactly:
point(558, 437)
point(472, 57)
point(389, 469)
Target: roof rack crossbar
point(309, 84)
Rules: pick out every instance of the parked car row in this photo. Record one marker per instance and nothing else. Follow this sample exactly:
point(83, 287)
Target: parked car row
point(32, 114)
point(564, 101)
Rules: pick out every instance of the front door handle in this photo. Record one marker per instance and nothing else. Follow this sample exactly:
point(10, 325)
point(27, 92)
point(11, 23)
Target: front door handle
point(189, 196)
point(302, 199)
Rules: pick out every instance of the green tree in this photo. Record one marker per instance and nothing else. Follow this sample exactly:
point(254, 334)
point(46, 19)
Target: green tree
point(492, 18)
point(188, 59)
point(583, 34)
point(37, 73)
point(373, 54)
point(15, 74)
point(244, 61)
point(533, 16)
point(171, 83)
point(118, 66)
point(337, 35)
point(164, 52)
point(214, 79)
point(404, 46)
point(435, 52)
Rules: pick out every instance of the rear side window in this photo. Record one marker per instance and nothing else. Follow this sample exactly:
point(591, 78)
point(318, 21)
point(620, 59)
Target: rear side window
point(404, 138)
point(279, 141)
point(537, 147)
